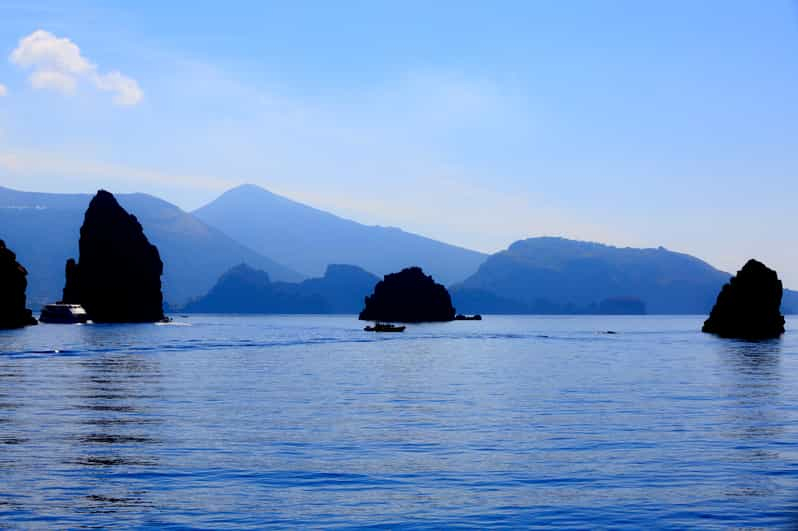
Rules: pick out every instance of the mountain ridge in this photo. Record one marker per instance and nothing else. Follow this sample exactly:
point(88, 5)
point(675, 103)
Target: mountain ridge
point(307, 239)
point(559, 275)
point(243, 289)
point(46, 227)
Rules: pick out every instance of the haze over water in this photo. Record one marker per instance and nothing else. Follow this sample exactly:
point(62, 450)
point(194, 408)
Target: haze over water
point(307, 421)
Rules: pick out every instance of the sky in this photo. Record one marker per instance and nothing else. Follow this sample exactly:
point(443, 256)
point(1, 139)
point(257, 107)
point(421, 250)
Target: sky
point(661, 123)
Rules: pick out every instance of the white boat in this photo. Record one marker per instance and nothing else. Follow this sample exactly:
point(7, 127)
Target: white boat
point(63, 314)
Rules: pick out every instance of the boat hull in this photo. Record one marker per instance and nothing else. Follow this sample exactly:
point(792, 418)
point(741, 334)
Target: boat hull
point(63, 314)
point(382, 328)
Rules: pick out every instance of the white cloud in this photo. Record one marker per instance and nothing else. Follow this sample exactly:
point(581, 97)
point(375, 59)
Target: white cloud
point(42, 49)
point(127, 91)
point(54, 80)
point(57, 64)
point(3, 90)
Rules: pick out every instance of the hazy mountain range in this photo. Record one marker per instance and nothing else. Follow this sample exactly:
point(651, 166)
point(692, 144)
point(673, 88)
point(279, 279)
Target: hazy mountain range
point(281, 242)
point(307, 240)
point(556, 275)
point(43, 230)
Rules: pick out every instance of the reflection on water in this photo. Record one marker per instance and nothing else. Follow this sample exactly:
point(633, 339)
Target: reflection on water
point(755, 420)
point(294, 422)
point(117, 394)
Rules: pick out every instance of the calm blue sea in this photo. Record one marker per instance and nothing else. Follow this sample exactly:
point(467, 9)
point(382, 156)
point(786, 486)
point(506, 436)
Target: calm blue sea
point(293, 422)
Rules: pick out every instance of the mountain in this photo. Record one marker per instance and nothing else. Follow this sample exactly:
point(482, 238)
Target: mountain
point(468, 300)
point(44, 229)
point(243, 289)
point(556, 275)
point(307, 239)
point(344, 287)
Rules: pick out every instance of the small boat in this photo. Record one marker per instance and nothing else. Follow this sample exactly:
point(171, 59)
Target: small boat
point(63, 314)
point(384, 327)
point(461, 317)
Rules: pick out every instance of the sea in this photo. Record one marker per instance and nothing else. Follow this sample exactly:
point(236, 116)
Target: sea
point(297, 422)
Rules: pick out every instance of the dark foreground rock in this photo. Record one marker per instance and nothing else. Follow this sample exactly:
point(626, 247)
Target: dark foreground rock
point(13, 283)
point(118, 277)
point(409, 296)
point(749, 306)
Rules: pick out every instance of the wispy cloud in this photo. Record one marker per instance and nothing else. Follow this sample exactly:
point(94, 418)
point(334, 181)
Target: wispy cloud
point(3, 90)
point(58, 64)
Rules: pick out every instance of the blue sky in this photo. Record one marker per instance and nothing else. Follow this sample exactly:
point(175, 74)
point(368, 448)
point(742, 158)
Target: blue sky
point(652, 123)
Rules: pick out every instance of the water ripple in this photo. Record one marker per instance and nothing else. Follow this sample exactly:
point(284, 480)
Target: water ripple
point(309, 422)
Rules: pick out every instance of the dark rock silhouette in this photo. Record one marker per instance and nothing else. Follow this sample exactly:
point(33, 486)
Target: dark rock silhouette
point(247, 290)
point(409, 296)
point(748, 306)
point(13, 283)
point(118, 276)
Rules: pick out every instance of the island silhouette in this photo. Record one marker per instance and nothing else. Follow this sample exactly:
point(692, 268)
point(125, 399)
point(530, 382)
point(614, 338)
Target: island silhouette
point(409, 296)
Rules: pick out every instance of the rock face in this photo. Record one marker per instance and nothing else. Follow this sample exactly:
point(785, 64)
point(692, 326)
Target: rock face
point(118, 277)
point(409, 296)
point(13, 283)
point(748, 307)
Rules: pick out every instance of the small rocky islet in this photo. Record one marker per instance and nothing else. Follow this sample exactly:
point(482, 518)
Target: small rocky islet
point(749, 305)
point(409, 296)
point(13, 283)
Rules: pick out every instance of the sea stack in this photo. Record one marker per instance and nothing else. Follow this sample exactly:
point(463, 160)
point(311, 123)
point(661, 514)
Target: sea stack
point(13, 283)
point(118, 276)
point(409, 296)
point(749, 306)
